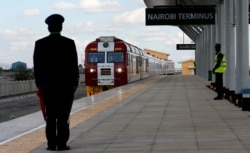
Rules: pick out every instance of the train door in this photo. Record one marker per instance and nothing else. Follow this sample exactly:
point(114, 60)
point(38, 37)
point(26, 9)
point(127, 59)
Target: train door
point(128, 66)
point(147, 65)
point(140, 67)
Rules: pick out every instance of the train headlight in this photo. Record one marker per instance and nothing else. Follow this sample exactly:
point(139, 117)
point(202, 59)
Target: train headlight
point(119, 70)
point(92, 70)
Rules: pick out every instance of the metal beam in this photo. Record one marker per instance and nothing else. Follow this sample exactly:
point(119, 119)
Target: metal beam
point(188, 32)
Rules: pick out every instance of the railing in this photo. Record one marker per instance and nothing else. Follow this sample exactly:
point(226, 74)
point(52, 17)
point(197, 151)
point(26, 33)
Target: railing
point(21, 87)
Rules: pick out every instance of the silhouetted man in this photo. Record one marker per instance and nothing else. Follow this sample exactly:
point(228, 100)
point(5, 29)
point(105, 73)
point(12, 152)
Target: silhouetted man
point(56, 77)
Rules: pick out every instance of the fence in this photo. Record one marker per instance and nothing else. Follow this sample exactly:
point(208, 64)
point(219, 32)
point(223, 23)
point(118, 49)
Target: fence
point(17, 87)
point(21, 87)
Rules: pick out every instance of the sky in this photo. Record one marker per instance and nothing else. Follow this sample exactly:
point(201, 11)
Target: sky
point(22, 23)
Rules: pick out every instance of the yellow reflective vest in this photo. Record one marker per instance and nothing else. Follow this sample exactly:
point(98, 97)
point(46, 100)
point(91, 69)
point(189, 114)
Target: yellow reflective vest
point(223, 65)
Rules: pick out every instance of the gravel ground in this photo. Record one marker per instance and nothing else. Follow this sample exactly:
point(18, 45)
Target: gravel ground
point(14, 107)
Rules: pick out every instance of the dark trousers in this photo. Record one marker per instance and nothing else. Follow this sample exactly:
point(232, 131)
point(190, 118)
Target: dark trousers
point(219, 84)
point(58, 108)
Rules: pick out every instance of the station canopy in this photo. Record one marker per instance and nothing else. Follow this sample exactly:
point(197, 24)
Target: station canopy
point(192, 31)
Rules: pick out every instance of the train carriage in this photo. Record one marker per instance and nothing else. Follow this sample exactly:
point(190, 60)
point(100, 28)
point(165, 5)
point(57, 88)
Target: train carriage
point(111, 62)
point(170, 68)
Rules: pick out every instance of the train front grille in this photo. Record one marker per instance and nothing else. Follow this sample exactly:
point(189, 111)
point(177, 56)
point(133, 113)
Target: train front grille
point(106, 71)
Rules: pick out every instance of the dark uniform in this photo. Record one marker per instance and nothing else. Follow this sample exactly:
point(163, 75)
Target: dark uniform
point(56, 76)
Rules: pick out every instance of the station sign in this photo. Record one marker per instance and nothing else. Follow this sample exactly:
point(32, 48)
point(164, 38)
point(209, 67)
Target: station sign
point(185, 46)
point(188, 15)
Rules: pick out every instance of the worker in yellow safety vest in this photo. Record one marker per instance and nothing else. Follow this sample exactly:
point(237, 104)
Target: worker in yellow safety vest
point(220, 66)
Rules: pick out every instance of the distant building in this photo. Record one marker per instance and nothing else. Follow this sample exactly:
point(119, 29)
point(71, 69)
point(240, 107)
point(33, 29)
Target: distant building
point(157, 54)
point(188, 67)
point(17, 66)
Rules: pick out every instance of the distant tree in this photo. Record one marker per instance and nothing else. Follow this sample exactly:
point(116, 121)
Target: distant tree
point(1, 70)
point(24, 75)
point(21, 67)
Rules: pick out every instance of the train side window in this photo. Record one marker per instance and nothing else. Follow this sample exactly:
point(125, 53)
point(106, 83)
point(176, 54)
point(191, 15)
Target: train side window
point(115, 57)
point(96, 57)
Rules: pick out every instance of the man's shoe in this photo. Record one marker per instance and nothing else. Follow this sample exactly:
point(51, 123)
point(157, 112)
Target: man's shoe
point(218, 98)
point(51, 148)
point(61, 148)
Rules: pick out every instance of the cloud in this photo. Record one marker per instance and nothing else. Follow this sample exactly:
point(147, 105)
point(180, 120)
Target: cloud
point(100, 5)
point(94, 29)
point(169, 36)
point(17, 44)
point(153, 34)
point(136, 16)
point(140, 2)
point(65, 5)
point(16, 33)
point(21, 44)
point(19, 39)
point(7, 32)
point(31, 12)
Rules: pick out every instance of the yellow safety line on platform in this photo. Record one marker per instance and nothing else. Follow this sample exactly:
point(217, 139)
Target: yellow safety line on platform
point(30, 141)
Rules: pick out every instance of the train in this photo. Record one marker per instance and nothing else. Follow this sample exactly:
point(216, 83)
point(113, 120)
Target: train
point(111, 62)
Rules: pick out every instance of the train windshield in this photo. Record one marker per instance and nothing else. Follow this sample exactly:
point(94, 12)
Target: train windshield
point(96, 57)
point(115, 57)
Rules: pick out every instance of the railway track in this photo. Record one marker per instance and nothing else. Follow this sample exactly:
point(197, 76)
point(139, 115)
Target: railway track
point(14, 107)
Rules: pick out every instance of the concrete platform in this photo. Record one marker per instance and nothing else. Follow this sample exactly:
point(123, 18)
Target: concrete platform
point(173, 114)
point(176, 114)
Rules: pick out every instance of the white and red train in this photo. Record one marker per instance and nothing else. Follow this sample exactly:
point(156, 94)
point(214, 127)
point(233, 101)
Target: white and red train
point(111, 62)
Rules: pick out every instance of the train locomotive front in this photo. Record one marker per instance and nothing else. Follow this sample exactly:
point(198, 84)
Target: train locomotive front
point(111, 62)
point(105, 64)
